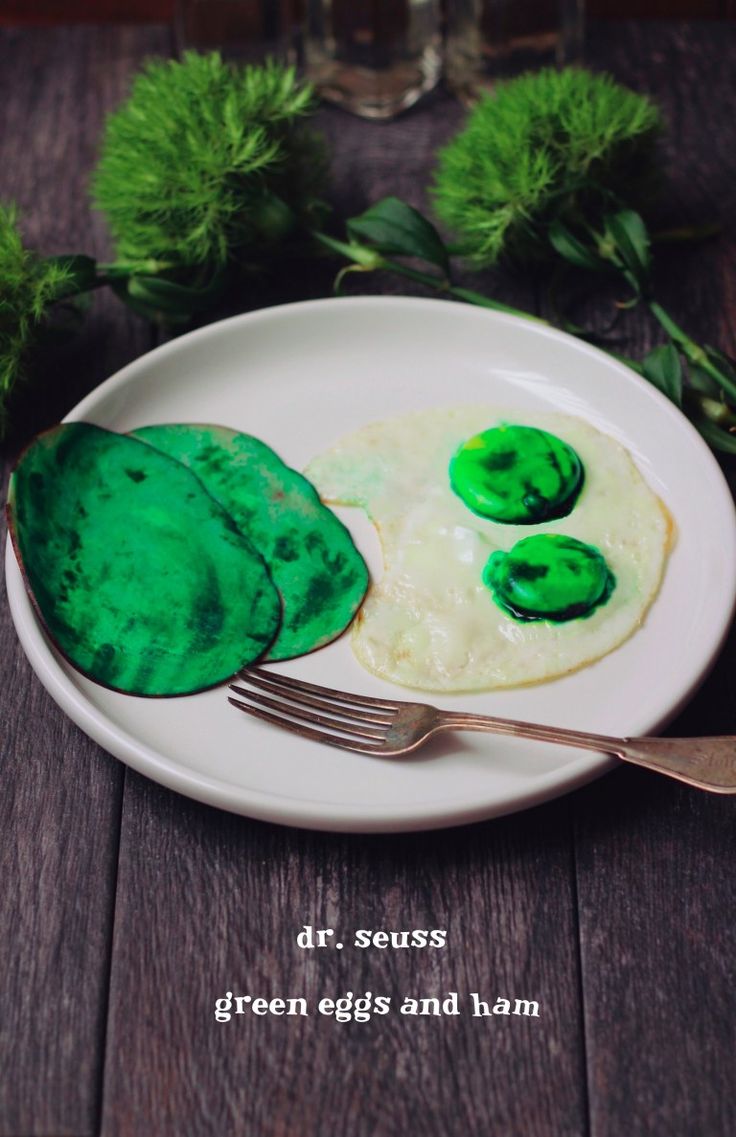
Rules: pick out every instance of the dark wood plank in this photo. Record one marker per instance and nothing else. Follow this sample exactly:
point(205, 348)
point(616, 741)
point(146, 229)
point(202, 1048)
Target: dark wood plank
point(127, 11)
point(661, 9)
point(657, 896)
point(60, 801)
point(86, 11)
point(209, 903)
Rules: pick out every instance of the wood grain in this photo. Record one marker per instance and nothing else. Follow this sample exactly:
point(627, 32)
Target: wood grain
point(657, 894)
point(128, 11)
point(41, 12)
point(641, 1043)
point(209, 903)
point(61, 795)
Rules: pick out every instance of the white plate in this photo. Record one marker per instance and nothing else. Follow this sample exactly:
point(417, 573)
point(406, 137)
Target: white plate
point(299, 376)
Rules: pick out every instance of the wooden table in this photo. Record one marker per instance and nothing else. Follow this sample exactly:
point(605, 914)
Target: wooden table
point(126, 910)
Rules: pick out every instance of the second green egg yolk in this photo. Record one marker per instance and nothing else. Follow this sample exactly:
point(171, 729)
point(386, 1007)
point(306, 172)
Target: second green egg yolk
point(549, 577)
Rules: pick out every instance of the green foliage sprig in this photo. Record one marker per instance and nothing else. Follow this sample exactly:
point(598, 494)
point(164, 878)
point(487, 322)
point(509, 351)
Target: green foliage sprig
point(206, 167)
point(208, 171)
point(30, 288)
point(391, 228)
point(555, 167)
point(203, 159)
point(550, 145)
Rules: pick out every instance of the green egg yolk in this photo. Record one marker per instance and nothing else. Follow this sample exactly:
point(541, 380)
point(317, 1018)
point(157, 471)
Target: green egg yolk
point(517, 474)
point(549, 577)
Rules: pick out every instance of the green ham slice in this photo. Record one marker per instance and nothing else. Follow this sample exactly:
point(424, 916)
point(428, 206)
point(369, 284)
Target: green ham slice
point(316, 567)
point(142, 580)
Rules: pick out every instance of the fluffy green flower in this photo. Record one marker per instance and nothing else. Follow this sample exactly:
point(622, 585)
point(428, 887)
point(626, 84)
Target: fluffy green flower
point(206, 160)
point(548, 145)
point(28, 288)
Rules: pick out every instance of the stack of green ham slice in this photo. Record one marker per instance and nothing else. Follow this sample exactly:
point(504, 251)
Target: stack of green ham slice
point(163, 562)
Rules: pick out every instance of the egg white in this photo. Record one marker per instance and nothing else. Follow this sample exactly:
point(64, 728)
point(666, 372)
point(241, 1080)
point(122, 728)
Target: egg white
point(430, 622)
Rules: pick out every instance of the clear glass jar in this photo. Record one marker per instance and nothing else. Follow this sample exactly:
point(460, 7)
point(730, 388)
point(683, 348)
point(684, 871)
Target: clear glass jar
point(373, 57)
point(488, 40)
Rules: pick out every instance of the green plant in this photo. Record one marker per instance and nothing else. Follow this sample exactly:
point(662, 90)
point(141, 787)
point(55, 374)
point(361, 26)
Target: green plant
point(555, 168)
point(204, 169)
point(206, 172)
point(391, 229)
point(30, 288)
point(550, 145)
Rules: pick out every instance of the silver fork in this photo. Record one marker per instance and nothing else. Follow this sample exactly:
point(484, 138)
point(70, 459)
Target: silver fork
point(388, 728)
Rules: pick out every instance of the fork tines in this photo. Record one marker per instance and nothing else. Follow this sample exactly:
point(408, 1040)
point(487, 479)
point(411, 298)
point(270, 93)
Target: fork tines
point(359, 722)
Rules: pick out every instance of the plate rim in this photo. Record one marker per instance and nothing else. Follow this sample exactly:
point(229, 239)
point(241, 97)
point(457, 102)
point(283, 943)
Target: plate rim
point(296, 811)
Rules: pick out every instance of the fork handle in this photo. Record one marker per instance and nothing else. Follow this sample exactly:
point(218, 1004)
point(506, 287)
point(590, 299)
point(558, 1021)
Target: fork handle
point(708, 763)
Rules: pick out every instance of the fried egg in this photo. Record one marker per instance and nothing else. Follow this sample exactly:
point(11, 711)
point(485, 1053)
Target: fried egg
point(445, 615)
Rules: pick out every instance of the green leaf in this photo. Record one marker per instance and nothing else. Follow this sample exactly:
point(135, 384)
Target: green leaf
point(662, 367)
point(702, 382)
point(722, 361)
point(273, 220)
point(721, 368)
point(136, 300)
point(165, 301)
point(629, 234)
point(397, 229)
point(719, 439)
point(168, 293)
point(575, 251)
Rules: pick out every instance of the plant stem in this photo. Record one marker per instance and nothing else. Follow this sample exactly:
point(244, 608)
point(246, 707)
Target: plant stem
point(691, 350)
point(74, 290)
point(116, 269)
point(471, 297)
point(372, 261)
point(441, 284)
